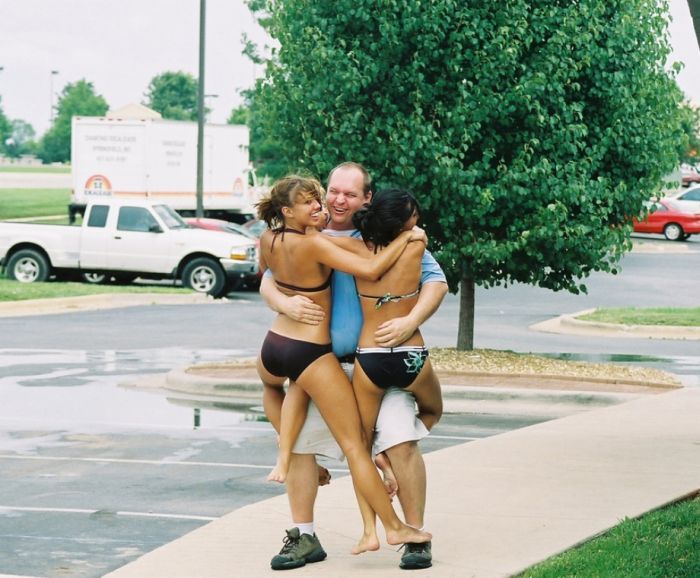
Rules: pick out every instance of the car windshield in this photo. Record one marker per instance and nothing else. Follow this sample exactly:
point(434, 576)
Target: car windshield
point(240, 229)
point(171, 219)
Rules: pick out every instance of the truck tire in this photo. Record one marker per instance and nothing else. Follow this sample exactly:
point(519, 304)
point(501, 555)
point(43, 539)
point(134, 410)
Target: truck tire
point(28, 266)
point(204, 275)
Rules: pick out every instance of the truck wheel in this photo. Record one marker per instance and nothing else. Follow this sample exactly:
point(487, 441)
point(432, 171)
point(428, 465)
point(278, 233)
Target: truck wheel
point(94, 278)
point(204, 276)
point(28, 266)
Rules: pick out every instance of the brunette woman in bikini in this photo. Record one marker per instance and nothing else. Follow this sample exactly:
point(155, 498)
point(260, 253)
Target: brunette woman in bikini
point(390, 213)
point(301, 260)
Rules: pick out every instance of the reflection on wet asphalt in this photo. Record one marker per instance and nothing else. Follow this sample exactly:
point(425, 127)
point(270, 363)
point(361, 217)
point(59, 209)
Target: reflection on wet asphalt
point(95, 475)
point(686, 367)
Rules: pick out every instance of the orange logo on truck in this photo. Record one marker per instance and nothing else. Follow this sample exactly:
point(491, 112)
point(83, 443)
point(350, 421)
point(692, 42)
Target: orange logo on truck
point(98, 185)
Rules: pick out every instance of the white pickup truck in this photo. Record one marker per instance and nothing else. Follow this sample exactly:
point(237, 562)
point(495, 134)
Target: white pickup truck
point(127, 239)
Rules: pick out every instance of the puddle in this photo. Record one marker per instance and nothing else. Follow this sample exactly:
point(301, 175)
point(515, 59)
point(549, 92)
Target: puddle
point(687, 367)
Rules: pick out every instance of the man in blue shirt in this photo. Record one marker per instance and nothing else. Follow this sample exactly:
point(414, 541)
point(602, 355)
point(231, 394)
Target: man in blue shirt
point(397, 429)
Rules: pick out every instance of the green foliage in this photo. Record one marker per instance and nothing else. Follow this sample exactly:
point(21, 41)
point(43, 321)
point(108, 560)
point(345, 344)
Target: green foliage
point(690, 124)
point(21, 139)
point(77, 99)
point(529, 129)
point(5, 129)
point(173, 95)
point(266, 153)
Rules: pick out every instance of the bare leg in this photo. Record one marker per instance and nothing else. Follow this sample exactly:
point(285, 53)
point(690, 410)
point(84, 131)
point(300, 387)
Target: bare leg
point(302, 487)
point(286, 413)
point(368, 398)
point(273, 395)
point(409, 468)
point(328, 386)
point(406, 458)
point(384, 464)
point(293, 416)
point(426, 388)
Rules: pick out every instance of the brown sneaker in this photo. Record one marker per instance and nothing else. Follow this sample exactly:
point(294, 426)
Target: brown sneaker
point(298, 550)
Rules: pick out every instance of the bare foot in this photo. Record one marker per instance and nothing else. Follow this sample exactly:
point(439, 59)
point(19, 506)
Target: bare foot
point(324, 476)
point(390, 483)
point(279, 472)
point(366, 544)
point(407, 534)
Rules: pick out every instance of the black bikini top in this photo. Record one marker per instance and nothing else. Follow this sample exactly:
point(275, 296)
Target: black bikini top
point(321, 287)
point(388, 297)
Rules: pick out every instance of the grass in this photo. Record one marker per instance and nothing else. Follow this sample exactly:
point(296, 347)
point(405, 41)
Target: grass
point(23, 203)
point(34, 169)
point(686, 317)
point(661, 544)
point(15, 291)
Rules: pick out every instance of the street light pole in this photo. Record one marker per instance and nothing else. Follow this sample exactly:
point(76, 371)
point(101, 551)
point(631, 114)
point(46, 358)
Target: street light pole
point(200, 112)
point(53, 73)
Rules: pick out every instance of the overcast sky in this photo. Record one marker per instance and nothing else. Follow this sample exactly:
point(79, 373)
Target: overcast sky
point(120, 45)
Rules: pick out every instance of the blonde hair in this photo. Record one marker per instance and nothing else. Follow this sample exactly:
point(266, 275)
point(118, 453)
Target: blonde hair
point(283, 194)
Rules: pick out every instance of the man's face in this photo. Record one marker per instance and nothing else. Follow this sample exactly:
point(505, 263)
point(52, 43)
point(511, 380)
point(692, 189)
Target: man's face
point(344, 196)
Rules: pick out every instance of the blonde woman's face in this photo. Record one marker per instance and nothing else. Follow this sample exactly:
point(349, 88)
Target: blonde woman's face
point(307, 210)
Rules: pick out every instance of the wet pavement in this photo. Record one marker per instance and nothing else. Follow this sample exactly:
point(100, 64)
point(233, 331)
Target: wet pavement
point(95, 474)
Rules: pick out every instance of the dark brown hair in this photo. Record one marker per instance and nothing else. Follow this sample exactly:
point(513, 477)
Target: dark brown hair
point(283, 194)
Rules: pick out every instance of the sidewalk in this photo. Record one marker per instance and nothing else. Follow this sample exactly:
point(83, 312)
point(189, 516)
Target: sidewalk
point(495, 506)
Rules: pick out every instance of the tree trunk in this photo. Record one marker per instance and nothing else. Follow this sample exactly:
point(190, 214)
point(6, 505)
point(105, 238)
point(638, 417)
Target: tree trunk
point(465, 334)
point(694, 6)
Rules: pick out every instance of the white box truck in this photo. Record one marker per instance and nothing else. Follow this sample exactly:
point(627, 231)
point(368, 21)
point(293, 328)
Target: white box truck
point(156, 160)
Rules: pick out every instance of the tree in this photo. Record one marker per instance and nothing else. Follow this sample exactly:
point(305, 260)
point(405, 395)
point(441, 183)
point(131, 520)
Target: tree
point(173, 95)
point(77, 99)
point(690, 123)
point(531, 130)
point(265, 152)
point(694, 7)
point(21, 141)
point(5, 129)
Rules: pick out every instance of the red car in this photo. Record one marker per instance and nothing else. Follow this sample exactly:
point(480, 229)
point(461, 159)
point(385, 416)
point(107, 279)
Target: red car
point(669, 220)
point(689, 176)
point(252, 281)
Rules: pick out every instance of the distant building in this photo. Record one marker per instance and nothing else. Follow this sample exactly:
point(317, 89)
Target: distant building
point(133, 110)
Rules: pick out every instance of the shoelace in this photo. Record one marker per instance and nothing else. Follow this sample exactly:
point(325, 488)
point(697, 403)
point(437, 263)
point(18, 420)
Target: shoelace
point(290, 544)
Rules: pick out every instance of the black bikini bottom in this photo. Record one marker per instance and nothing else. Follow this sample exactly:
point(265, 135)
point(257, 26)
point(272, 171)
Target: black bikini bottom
point(392, 366)
point(286, 357)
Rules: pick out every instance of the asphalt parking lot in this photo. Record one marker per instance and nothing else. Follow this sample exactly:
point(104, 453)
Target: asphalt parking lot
point(95, 474)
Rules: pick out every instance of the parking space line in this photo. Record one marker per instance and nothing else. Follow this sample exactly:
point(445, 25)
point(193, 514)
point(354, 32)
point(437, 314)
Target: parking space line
point(126, 461)
point(115, 513)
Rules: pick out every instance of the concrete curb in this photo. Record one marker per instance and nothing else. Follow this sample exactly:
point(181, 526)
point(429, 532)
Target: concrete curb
point(242, 382)
point(59, 305)
point(644, 331)
point(570, 324)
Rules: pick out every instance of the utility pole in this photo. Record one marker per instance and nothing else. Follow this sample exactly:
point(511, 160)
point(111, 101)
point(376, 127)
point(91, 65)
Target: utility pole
point(200, 112)
point(53, 73)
